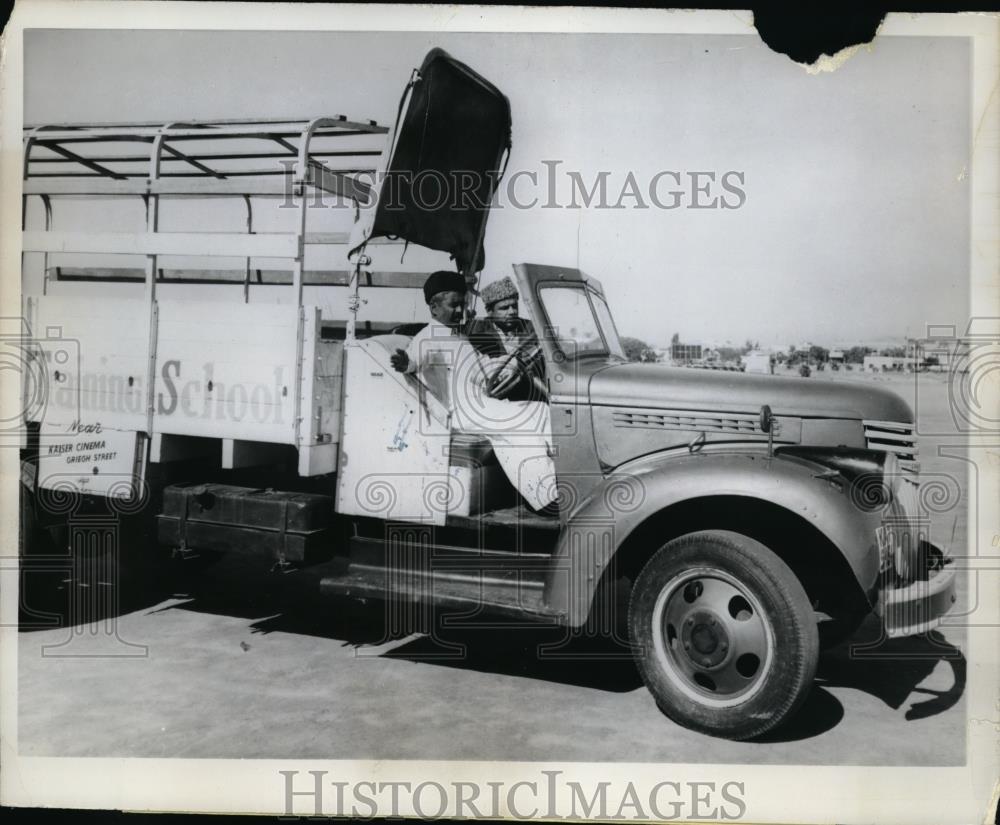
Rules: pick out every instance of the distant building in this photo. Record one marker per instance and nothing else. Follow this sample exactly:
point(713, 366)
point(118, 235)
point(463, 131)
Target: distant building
point(759, 362)
point(836, 356)
point(885, 363)
point(685, 353)
point(945, 353)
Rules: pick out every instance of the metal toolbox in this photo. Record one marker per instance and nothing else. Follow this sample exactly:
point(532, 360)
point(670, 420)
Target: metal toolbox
point(286, 526)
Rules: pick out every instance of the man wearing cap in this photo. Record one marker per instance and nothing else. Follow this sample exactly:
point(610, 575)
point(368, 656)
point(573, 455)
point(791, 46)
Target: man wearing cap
point(500, 299)
point(503, 332)
point(457, 374)
point(440, 345)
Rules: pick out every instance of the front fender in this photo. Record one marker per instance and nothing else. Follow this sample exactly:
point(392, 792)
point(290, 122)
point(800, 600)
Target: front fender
point(603, 522)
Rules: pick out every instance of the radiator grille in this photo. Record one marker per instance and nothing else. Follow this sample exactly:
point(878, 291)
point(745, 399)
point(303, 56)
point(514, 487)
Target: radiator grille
point(894, 437)
point(677, 420)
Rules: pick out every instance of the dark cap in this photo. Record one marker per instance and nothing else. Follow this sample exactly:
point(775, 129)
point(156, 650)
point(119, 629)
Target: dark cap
point(443, 281)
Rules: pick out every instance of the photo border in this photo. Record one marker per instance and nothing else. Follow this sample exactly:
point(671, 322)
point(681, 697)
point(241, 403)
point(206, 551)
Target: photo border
point(844, 794)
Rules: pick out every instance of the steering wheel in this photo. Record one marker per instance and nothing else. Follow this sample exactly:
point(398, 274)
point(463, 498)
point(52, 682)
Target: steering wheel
point(525, 360)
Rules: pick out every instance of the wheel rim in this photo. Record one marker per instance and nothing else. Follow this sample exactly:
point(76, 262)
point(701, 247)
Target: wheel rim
point(712, 636)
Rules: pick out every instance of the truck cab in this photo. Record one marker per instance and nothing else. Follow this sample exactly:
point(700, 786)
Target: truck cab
point(238, 396)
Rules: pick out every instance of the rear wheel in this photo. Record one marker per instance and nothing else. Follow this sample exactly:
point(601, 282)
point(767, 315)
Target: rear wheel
point(723, 634)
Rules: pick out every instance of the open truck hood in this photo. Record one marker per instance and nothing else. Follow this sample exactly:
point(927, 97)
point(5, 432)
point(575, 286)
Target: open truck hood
point(451, 135)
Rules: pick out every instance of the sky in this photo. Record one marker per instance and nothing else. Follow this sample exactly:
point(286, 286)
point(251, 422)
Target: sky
point(851, 188)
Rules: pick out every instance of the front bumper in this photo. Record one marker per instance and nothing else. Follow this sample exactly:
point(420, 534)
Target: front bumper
point(920, 605)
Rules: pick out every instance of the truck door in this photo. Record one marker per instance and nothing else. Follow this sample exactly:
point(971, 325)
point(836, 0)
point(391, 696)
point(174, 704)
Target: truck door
point(395, 442)
point(578, 338)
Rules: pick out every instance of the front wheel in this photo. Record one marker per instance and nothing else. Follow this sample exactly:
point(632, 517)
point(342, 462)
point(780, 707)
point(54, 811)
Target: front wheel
point(723, 634)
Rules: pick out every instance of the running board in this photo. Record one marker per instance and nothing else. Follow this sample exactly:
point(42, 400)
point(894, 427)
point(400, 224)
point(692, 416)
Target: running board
point(373, 552)
point(509, 593)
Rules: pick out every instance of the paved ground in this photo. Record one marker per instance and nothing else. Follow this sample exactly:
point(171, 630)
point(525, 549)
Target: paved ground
point(250, 673)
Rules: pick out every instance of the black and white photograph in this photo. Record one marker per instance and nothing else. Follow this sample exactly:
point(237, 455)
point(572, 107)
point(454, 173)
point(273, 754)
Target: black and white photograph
point(499, 413)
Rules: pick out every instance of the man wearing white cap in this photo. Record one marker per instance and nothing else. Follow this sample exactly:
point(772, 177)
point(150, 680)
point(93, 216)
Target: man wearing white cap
point(458, 375)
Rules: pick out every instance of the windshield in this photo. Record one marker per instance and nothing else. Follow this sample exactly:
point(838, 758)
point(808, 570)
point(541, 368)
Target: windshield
point(607, 325)
point(580, 321)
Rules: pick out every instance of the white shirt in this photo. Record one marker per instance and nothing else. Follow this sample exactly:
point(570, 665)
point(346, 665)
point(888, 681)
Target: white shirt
point(455, 372)
point(446, 362)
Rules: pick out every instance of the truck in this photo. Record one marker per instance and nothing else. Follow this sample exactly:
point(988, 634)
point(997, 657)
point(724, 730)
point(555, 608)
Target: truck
point(193, 365)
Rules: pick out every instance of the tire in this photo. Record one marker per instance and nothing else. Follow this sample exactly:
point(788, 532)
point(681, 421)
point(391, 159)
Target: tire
point(143, 567)
point(41, 603)
point(28, 532)
point(732, 603)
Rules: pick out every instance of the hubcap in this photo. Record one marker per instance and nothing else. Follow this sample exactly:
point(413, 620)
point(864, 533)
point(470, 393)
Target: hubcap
point(704, 637)
point(712, 636)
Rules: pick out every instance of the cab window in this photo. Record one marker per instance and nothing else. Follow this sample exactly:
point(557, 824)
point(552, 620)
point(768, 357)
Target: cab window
point(572, 320)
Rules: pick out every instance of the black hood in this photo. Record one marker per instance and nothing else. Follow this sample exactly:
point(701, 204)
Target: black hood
point(452, 136)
